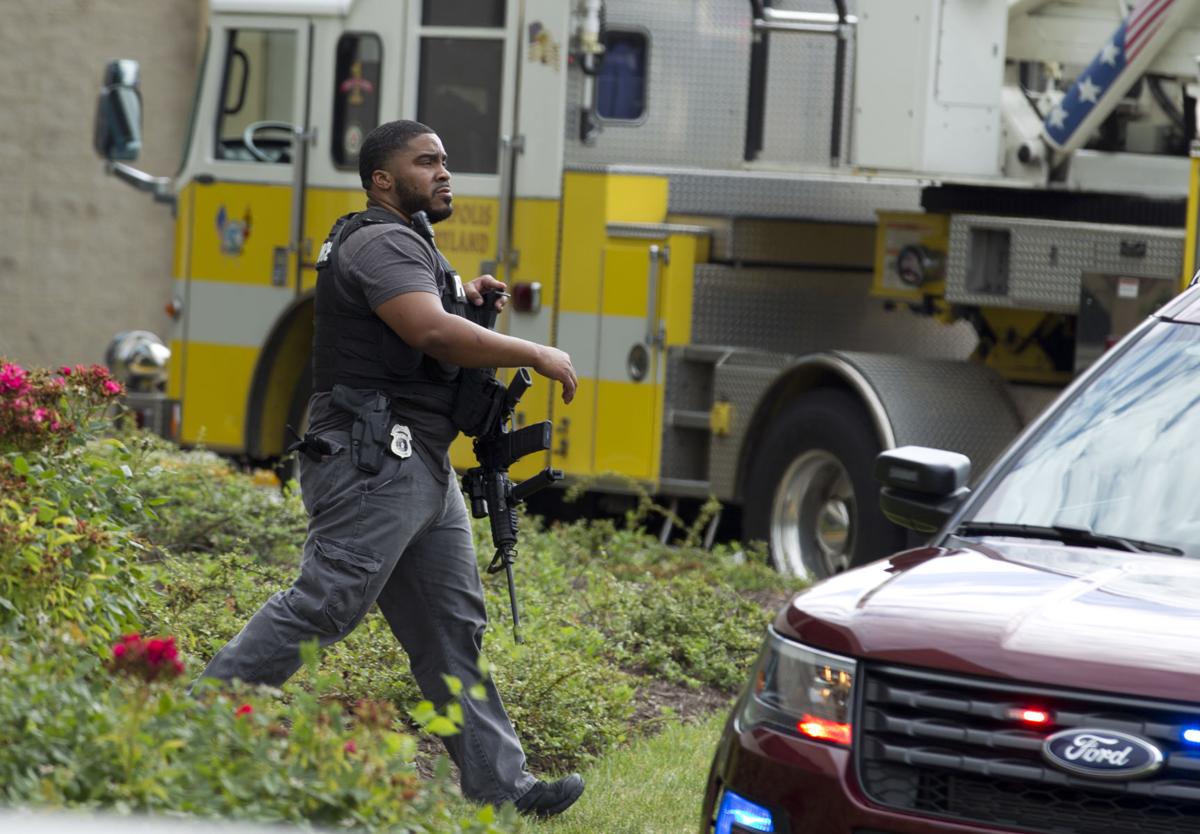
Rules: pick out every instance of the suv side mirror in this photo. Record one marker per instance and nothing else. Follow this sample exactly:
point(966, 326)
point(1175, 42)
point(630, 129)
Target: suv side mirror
point(118, 126)
point(922, 487)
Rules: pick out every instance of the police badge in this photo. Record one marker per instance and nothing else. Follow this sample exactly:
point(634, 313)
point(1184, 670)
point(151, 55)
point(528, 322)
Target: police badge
point(401, 441)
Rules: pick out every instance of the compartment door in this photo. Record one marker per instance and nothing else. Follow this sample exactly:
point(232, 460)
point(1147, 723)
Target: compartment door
point(630, 352)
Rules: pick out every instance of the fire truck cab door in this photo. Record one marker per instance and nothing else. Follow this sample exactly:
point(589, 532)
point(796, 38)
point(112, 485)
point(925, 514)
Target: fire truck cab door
point(239, 213)
point(489, 77)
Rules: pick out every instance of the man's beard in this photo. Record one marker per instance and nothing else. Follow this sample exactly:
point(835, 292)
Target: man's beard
point(411, 201)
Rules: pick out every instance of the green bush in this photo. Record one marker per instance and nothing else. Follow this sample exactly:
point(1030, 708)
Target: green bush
point(682, 614)
point(209, 507)
point(653, 627)
point(73, 733)
point(67, 556)
point(568, 703)
point(82, 561)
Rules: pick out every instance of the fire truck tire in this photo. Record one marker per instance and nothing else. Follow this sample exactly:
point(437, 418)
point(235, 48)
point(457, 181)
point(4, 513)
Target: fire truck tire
point(810, 494)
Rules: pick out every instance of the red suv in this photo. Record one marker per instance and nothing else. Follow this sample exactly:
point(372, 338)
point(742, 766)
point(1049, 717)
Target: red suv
point(1036, 668)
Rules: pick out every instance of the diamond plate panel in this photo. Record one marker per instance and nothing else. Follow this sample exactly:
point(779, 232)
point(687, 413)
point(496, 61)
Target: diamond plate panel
point(794, 312)
point(1047, 259)
point(698, 65)
point(807, 245)
point(753, 240)
point(843, 198)
point(959, 406)
point(742, 379)
point(800, 81)
point(697, 81)
point(688, 388)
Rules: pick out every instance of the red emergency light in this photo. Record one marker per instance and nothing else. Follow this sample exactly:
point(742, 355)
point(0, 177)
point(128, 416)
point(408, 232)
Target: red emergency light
point(823, 729)
point(1030, 715)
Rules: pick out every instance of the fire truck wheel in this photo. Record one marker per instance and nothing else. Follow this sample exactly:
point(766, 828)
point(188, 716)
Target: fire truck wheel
point(810, 493)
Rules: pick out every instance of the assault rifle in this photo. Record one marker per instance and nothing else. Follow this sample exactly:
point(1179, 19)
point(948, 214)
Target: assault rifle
point(497, 448)
point(491, 492)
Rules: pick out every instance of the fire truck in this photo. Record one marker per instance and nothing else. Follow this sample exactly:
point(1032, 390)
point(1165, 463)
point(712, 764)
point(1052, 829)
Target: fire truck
point(775, 238)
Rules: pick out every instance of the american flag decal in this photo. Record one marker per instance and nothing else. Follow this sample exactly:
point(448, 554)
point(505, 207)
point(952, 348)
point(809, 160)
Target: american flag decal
point(1111, 72)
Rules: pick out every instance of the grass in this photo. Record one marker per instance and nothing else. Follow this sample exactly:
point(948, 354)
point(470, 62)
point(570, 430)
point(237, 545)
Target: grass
point(653, 786)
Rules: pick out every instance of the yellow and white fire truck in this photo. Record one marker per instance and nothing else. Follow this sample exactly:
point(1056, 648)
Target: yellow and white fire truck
point(775, 238)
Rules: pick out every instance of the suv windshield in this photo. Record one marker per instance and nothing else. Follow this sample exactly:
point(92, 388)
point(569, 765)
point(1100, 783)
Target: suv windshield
point(1120, 458)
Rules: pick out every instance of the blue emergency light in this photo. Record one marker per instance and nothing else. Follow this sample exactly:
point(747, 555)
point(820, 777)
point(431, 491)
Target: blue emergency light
point(739, 811)
point(1191, 735)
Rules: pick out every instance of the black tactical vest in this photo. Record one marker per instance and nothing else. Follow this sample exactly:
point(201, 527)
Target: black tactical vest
point(352, 346)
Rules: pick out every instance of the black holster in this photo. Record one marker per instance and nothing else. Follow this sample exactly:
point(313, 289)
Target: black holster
point(372, 420)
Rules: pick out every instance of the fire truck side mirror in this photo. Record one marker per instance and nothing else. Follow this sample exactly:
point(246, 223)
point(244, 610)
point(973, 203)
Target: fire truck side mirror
point(118, 128)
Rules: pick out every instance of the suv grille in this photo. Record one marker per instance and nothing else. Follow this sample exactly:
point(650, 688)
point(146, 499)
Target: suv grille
point(944, 745)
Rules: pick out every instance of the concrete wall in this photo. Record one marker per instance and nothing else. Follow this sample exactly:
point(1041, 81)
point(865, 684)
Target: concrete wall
point(82, 255)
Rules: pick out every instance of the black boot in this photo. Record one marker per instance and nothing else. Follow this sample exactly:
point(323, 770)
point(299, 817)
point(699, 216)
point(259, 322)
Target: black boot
point(545, 799)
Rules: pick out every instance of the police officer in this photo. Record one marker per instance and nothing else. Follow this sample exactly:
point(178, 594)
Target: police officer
point(387, 521)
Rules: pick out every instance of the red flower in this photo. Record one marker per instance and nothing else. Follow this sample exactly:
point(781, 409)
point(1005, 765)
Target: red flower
point(159, 650)
point(147, 659)
point(112, 388)
point(244, 709)
point(351, 748)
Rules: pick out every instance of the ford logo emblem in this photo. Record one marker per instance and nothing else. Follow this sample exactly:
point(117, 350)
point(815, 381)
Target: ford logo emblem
point(1102, 754)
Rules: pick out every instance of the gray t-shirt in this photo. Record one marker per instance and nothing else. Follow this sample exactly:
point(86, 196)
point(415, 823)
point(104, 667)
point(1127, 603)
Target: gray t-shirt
point(379, 262)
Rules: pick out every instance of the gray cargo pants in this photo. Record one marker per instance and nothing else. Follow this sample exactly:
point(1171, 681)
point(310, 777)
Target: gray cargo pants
point(402, 539)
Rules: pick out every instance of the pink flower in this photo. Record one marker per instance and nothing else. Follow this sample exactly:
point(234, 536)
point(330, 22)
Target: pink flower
point(39, 415)
point(12, 378)
point(119, 650)
point(65, 370)
point(351, 748)
point(112, 388)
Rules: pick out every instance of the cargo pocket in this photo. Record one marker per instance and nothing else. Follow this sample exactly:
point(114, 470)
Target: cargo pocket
point(332, 590)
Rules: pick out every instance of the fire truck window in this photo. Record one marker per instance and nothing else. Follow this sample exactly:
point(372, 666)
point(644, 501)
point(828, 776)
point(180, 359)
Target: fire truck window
point(258, 85)
point(621, 81)
point(355, 96)
point(459, 97)
point(484, 13)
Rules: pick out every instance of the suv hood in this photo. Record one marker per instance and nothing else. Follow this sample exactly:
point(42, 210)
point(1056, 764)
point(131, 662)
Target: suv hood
point(1029, 611)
